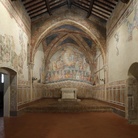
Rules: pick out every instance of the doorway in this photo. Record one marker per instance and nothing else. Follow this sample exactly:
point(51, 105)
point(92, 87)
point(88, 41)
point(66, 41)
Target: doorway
point(1, 93)
point(132, 94)
point(8, 92)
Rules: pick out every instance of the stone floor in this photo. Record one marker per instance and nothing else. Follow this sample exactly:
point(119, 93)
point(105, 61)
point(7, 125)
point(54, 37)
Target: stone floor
point(53, 105)
point(67, 125)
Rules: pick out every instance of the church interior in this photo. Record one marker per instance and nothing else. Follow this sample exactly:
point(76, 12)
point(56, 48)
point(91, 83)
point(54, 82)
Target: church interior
point(68, 68)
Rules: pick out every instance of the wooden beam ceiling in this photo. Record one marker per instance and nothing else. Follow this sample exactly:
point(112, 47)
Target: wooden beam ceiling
point(69, 2)
point(100, 8)
point(90, 8)
point(48, 7)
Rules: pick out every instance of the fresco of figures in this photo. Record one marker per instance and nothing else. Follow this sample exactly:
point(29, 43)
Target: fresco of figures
point(68, 63)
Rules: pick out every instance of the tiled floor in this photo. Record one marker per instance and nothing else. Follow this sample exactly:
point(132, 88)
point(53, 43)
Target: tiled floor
point(67, 125)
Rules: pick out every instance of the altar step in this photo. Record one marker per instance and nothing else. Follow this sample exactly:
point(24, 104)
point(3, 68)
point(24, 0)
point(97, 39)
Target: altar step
point(67, 109)
point(68, 106)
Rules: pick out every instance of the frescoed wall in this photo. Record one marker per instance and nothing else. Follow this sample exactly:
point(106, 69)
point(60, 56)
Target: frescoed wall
point(14, 38)
point(13, 45)
point(132, 23)
point(68, 63)
point(122, 45)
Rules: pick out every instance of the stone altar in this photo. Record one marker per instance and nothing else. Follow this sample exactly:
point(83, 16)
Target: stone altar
point(69, 94)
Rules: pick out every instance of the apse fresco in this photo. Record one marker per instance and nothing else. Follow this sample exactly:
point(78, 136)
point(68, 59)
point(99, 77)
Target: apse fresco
point(68, 64)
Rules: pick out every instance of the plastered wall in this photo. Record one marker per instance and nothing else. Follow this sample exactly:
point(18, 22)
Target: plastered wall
point(122, 45)
point(13, 40)
point(15, 36)
point(122, 36)
point(39, 65)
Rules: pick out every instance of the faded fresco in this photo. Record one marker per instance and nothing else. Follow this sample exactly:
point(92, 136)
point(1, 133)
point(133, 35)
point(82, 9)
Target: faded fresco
point(68, 63)
point(39, 65)
point(13, 41)
point(116, 37)
point(8, 56)
point(41, 74)
point(132, 23)
point(125, 36)
point(23, 54)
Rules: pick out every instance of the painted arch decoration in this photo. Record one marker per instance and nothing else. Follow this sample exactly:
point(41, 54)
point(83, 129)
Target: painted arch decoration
point(68, 63)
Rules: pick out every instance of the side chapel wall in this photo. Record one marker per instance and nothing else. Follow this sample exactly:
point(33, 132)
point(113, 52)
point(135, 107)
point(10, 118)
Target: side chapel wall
point(15, 38)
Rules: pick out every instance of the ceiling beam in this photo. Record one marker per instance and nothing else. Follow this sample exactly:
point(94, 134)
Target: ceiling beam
point(103, 7)
point(106, 3)
point(69, 2)
point(90, 8)
point(125, 1)
point(36, 9)
point(80, 6)
point(48, 7)
point(33, 6)
point(58, 6)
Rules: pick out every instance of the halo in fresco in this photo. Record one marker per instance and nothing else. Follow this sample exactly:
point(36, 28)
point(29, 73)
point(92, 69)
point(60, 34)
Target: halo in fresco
point(68, 64)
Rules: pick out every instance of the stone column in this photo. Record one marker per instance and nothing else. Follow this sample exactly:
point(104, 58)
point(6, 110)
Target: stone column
point(30, 69)
point(7, 96)
point(105, 82)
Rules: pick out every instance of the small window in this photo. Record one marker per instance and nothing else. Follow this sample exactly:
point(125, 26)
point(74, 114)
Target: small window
point(2, 78)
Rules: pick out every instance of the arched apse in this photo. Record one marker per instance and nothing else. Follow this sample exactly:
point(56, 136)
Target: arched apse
point(72, 41)
point(86, 26)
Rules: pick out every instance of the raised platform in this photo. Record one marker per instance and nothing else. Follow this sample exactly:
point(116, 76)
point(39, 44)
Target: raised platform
point(53, 105)
point(68, 94)
point(69, 100)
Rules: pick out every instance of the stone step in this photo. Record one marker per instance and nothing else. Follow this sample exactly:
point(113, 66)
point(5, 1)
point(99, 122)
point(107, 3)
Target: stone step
point(68, 109)
point(53, 105)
